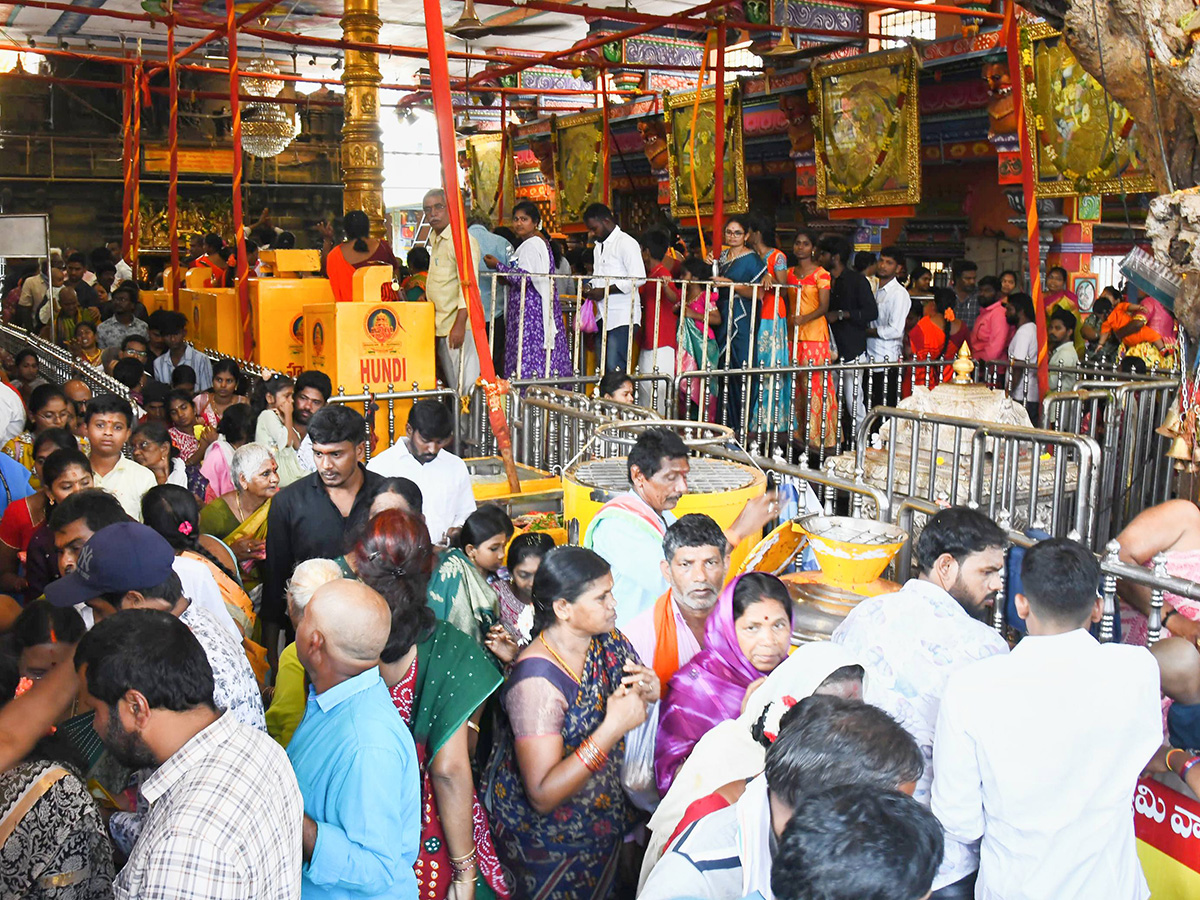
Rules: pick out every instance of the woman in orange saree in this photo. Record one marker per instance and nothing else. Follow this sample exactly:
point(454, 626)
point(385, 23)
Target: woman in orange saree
point(818, 406)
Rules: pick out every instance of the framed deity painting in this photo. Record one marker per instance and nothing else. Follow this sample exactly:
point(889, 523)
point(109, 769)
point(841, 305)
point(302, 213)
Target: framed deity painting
point(1083, 141)
point(580, 159)
point(692, 149)
point(866, 131)
point(1086, 287)
point(491, 175)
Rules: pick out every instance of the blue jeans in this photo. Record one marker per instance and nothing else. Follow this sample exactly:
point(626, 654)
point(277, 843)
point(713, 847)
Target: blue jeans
point(616, 354)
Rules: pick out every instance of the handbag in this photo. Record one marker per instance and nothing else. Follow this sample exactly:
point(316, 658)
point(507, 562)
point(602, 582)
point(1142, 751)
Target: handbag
point(587, 316)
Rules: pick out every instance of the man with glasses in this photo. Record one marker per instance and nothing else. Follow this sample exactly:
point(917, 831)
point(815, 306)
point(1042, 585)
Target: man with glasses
point(448, 294)
point(617, 272)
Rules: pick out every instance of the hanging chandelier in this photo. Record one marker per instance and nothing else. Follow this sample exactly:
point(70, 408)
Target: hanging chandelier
point(261, 87)
point(266, 130)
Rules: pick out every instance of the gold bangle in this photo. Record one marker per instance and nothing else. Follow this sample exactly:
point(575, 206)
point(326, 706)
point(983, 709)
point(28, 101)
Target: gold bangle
point(463, 859)
point(473, 726)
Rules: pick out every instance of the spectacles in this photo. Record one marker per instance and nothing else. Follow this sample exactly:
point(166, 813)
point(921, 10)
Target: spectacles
point(143, 445)
point(136, 354)
point(732, 232)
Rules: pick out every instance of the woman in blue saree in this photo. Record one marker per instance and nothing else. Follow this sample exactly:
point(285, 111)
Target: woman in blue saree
point(554, 792)
point(741, 268)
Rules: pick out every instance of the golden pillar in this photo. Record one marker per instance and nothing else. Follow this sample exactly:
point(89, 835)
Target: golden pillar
point(362, 150)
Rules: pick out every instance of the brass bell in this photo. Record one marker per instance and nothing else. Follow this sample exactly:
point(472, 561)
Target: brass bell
point(1172, 423)
point(1180, 450)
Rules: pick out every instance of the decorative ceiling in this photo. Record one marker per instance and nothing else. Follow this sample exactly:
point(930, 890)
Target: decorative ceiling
point(403, 25)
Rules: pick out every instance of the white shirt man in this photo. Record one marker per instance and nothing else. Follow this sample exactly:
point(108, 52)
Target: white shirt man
point(1024, 348)
point(894, 304)
point(1038, 751)
point(911, 641)
point(128, 482)
point(618, 264)
point(445, 483)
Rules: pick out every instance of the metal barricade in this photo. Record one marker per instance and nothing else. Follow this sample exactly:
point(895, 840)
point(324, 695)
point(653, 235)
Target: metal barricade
point(1122, 418)
point(1038, 477)
point(556, 426)
point(57, 364)
point(248, 368)
point(388, 398)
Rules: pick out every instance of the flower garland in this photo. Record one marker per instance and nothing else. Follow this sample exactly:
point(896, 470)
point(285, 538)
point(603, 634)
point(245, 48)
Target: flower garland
point(852, 192)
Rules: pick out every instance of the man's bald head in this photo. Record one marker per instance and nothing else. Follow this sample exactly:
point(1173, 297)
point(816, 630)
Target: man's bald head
point(354, 621)
point(77, 391)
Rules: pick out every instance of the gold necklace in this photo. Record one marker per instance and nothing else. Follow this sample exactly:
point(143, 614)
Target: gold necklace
point(237, 498)
point(558, 659)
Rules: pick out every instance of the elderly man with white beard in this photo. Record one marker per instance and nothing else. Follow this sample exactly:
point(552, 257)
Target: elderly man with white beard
point(671, 632)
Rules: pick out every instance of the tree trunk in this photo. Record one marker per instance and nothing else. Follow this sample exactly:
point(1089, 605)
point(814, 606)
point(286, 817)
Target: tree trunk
point(1113, 39)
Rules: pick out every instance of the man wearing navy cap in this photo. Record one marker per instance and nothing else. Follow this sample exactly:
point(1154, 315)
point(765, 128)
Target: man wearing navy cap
point(129, 566)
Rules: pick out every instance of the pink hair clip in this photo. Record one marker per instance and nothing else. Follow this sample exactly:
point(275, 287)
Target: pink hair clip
point(185, 528)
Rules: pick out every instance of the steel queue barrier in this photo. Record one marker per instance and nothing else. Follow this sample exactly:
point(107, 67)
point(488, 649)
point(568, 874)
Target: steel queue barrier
point(1122, 418)
point(57, 363)
point(1003, 470)
point(548, 411)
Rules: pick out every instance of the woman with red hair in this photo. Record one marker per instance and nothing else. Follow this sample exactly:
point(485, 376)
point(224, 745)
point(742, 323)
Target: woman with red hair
point(439, 680)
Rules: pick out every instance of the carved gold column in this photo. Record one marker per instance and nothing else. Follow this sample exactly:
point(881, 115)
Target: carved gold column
point(362, 150)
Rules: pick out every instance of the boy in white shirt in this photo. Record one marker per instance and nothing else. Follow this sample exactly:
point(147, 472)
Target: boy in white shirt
point(1060, 334)
point(1038, 751)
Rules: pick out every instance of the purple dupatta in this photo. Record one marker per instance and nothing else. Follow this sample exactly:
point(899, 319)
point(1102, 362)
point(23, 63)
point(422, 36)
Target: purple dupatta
point(706, 691)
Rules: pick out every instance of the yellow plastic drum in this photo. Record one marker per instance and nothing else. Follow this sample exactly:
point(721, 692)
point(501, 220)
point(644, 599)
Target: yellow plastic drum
point(851, 551)
point(717, 488)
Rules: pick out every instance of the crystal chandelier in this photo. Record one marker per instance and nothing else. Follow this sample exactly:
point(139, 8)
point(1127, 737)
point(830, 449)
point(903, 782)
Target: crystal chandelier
point(266, 130)
point(261, 87)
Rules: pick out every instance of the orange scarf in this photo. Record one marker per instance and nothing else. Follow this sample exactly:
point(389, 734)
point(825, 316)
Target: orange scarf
point(666, 642)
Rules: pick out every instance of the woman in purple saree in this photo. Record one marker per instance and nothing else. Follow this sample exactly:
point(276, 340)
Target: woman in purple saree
point(536, 342)
point(747, 636)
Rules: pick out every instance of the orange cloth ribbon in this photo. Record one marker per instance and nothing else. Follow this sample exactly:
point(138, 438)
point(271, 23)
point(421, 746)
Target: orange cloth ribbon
point(666, 641)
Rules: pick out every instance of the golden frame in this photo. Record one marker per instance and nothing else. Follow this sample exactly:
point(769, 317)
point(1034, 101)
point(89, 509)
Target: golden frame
point(828, 197)
point(505, 195)
point(681, 104)
point(568, 215)
point(1138, 182)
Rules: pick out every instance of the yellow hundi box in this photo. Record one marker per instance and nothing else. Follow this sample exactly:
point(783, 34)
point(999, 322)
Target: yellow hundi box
point(155, 300)
point(213, 319)
point(373, 344)
point(287, 263)
point(277, 311)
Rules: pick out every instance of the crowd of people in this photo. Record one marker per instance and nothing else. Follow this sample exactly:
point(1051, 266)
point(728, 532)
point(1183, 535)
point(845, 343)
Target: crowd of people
point(220, 683)
point(651, 304)
point(654, 304)
point(239, 659)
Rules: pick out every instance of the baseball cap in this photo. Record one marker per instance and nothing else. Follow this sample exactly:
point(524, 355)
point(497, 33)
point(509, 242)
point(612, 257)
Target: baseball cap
point(126, 556)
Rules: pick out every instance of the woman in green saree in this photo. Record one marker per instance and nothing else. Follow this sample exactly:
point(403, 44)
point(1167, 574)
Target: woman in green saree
point(439, 679)
point(459, 592)
point(239, 518)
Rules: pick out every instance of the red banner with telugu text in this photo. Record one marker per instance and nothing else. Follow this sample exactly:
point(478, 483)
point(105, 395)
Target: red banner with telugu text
point(1167, 825)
